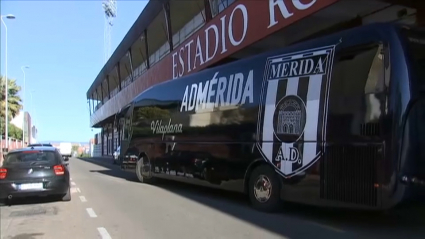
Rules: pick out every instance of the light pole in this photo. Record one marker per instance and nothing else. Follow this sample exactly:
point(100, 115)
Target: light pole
point(33, 113)
point(9, 16)
point(23, 107)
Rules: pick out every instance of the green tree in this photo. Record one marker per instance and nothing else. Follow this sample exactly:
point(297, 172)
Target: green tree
point(14, 106)
point(75, 148)
point(13, 131)
point(14, 100)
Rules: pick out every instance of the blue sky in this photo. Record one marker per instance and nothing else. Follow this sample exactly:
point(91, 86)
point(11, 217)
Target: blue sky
point(62, 43)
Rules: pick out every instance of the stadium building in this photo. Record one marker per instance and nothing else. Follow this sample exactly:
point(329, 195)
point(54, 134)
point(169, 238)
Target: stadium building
point(174, 38)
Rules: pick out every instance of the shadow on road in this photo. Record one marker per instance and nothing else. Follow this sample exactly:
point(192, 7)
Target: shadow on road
point(27, 236)
point(296, 221)
point(30, 201)
point(118, 174)
point(113, 170)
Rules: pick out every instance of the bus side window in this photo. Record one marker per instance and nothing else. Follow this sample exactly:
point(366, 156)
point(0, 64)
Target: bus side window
point(357, 76)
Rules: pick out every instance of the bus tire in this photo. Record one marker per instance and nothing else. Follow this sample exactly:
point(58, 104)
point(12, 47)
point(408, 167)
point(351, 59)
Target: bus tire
point(139, 170)
point(264, 189)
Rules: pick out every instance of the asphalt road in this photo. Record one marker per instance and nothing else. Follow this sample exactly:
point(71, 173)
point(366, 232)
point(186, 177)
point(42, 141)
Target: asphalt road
point(109, 203)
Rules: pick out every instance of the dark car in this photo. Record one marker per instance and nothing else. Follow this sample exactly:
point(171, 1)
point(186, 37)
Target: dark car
point(34, 171)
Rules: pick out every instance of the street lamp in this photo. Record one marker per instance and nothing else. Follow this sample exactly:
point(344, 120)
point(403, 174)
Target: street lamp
point(23, 107)
point(8, 16)
point(33, 113)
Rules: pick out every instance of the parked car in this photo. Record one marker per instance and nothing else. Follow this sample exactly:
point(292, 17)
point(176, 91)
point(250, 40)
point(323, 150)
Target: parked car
point(34, 171)
point(116, 155)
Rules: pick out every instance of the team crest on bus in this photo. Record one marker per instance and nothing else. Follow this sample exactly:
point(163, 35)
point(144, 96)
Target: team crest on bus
point(289, 119)
point(292, 117)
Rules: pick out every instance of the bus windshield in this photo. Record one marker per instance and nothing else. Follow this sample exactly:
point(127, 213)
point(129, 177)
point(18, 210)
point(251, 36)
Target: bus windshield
point(416, 48)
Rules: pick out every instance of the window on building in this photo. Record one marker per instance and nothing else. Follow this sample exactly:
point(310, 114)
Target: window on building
point(217, 6)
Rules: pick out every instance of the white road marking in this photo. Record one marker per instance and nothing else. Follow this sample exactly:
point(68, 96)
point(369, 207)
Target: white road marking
point(73, 183)
point(70, 178)
point(91, 212)
point(83, 199)
point(103, 233)
point(73, 190)
point(78, 190)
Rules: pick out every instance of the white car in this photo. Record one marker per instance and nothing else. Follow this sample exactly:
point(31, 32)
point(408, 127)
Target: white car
point(116, 155)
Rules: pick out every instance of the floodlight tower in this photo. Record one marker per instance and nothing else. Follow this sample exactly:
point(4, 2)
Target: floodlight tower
point(110, 9)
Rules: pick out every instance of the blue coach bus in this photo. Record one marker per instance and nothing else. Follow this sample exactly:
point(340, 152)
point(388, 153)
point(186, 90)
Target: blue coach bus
point(333, 121)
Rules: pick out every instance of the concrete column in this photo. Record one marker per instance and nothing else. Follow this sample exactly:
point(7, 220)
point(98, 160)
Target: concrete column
point(107, 140)
point(119, 133)
point(102, 136)
point(113, 138)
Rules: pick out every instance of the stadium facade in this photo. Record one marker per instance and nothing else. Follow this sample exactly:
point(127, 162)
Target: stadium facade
point(173, 38)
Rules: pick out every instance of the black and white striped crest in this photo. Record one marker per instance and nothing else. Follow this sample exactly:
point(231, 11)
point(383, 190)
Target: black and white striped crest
point(293, 108)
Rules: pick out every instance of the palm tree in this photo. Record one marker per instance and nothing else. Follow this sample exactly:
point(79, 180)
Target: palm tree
point(14, 99)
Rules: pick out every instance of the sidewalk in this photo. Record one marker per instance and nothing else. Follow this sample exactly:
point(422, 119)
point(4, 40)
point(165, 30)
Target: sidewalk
point(105, 157)
point(101, 159)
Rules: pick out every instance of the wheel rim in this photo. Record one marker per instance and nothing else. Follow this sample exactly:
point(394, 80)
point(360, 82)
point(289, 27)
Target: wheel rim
point(262, 188)
point(139, 171)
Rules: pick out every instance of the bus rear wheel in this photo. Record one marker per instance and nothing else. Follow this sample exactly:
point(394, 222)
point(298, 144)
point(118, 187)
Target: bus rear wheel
point(264, 189)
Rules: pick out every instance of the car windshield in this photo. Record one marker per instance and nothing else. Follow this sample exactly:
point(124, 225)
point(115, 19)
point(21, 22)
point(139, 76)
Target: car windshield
point(30, 157)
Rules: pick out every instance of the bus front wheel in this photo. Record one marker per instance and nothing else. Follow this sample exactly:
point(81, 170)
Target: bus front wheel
point(264, 189)
point(143, 171)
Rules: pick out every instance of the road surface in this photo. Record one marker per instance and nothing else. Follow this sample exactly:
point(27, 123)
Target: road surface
point(109, 203)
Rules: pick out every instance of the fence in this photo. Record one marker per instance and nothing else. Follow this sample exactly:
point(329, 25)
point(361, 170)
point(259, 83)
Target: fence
point(13, 144)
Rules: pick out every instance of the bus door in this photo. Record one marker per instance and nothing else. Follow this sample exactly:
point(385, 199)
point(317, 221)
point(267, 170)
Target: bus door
point(352, 167)
point(127, 133)
point(412, 163)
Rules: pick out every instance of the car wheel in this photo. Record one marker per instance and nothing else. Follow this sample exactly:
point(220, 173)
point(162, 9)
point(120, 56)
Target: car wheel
point(264, 189)
point(67, 196)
